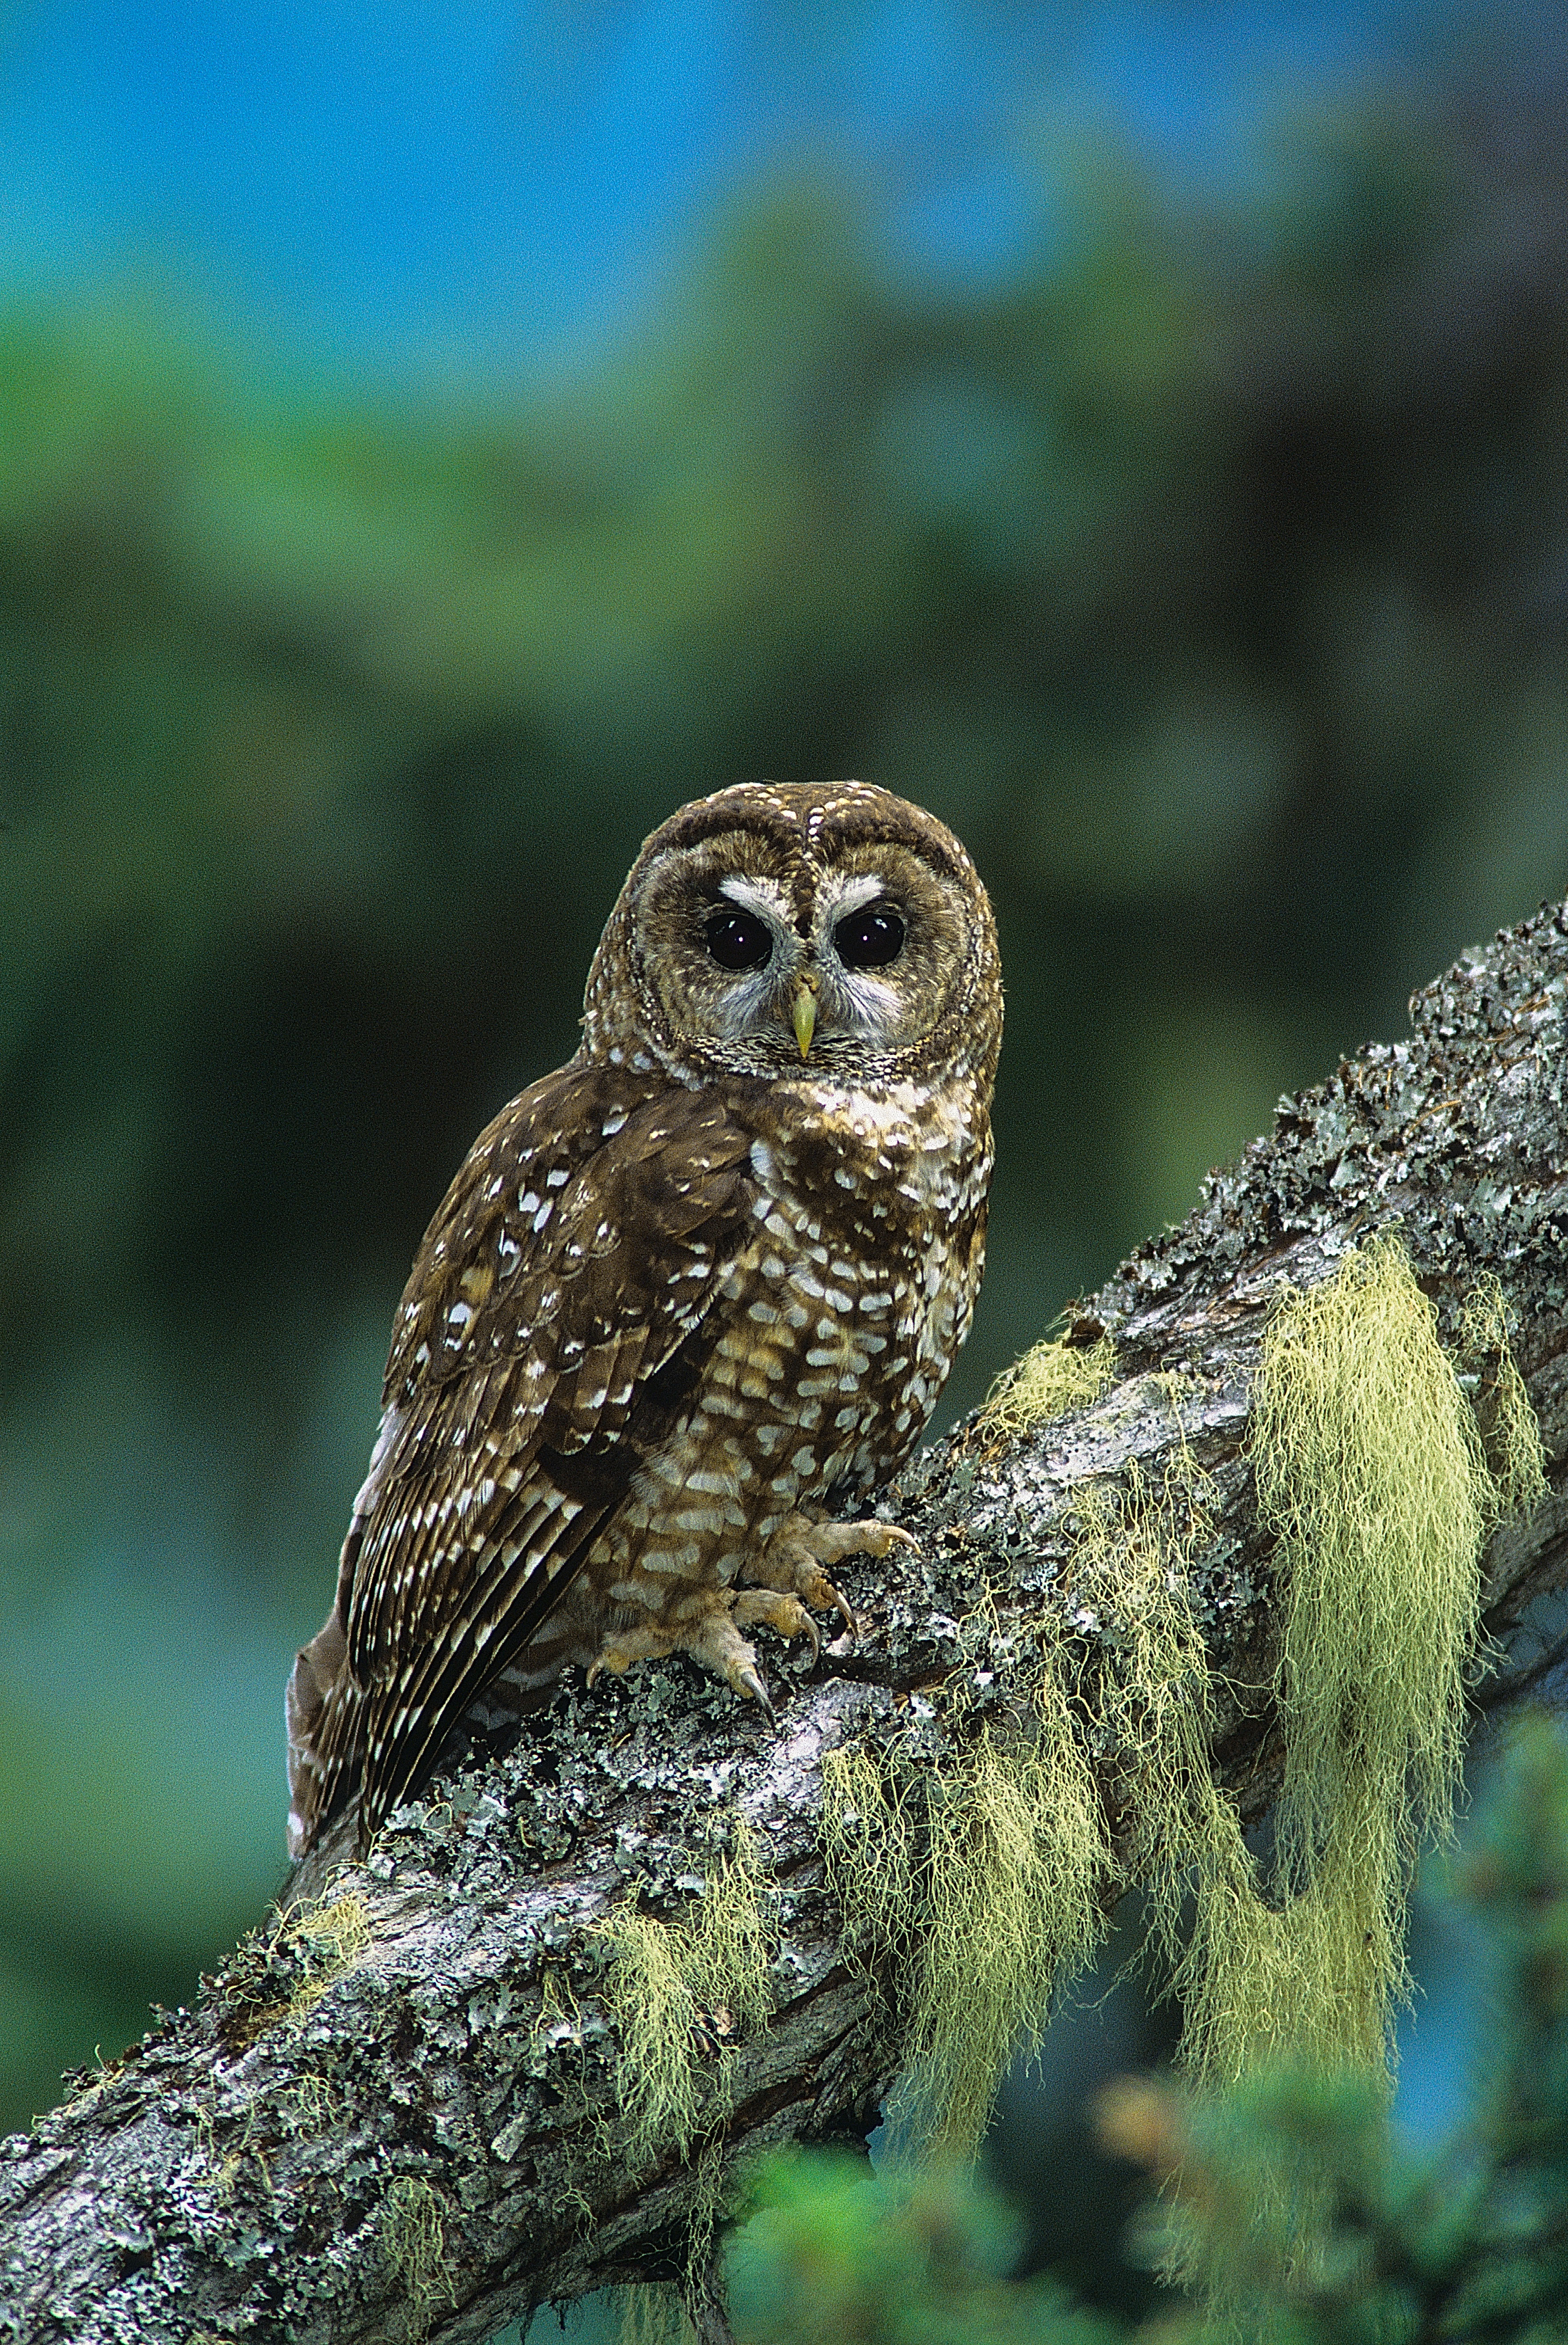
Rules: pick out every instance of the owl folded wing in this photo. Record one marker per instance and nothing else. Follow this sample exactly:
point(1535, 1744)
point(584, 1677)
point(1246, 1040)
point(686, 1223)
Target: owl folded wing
point(550, 1331)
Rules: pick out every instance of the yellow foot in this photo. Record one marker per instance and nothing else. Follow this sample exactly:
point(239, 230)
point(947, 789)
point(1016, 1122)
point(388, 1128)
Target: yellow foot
point(786, 1577)
point(798, 1556)
point(718, 1645)
point(711, 1638)
point(775, 1610)
point(618, 1651)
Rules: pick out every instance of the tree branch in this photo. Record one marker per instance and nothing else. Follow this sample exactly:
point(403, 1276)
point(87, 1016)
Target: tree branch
point(396, 2115)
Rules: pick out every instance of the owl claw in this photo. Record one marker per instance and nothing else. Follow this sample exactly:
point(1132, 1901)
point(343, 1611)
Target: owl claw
point(790, 1626)
point(747, 1679)
point(788, 1580)
point(617, 1654)
point(717, 1644)
point(784, 1614)
point(799, 1555)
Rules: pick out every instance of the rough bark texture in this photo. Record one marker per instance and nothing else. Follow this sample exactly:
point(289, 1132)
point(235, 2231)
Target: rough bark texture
point(399, 2117)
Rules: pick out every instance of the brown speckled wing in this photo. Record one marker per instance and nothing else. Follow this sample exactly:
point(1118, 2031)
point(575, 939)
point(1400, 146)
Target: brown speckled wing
point(549, 1331)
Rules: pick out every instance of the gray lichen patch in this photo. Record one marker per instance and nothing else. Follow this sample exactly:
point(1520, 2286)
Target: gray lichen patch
point(1436, 1129)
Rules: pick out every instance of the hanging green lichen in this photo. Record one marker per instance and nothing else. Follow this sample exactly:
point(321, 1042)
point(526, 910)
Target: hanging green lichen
point(973, 1865)
point(680, 1993)
point(974, 1861)
point(1510, 1435)
point(1016, 1853)
point(413, 2240)
point(654, 2313)
point(984, 1867)
point(1133, 1549)
point(1371, 1475)
point(872, 1841)
point(667, 1986)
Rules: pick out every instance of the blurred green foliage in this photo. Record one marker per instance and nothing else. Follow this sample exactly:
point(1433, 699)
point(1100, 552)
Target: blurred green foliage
point(1208, 575)
point(835, 2254)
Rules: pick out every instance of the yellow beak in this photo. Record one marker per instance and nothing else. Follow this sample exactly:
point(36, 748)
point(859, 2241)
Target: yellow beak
point(804, 1018)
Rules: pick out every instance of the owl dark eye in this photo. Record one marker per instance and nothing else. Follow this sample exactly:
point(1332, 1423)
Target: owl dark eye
point(869, 940)
point(738, 939)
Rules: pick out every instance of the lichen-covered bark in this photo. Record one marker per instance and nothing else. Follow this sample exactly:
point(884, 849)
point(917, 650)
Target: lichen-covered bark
point(396, 2114)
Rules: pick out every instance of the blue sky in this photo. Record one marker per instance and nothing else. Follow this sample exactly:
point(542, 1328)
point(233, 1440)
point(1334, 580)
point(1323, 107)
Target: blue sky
point(419, 182)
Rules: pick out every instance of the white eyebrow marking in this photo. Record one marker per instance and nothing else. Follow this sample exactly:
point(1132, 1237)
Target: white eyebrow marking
point(762, 896)
point(835, 901)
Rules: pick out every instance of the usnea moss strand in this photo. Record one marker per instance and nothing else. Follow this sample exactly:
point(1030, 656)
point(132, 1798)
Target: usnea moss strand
point(986, 1872)
point(413, 2239)
point(1371, 1472)
point(668, 1982)
point(972, 1860)
point(1510, 1435)
point(1050, 1379)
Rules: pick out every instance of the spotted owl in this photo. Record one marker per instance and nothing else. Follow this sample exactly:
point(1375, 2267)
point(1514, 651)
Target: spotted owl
point(708, 1277)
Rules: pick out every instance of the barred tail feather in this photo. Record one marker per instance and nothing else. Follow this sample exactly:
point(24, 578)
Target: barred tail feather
point(322, 1712)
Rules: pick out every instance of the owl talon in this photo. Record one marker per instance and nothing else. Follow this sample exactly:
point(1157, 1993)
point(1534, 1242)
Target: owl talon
point(808, 1629)
point(796, 1560)
point(747, 1680)
point(773, 1608)
point(617, 1654)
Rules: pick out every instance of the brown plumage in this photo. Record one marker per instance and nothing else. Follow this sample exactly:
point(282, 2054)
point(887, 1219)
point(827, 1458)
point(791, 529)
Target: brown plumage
point(714, 1269)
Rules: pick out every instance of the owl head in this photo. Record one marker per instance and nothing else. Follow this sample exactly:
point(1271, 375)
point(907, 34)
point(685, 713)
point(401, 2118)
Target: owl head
point(833, 931)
